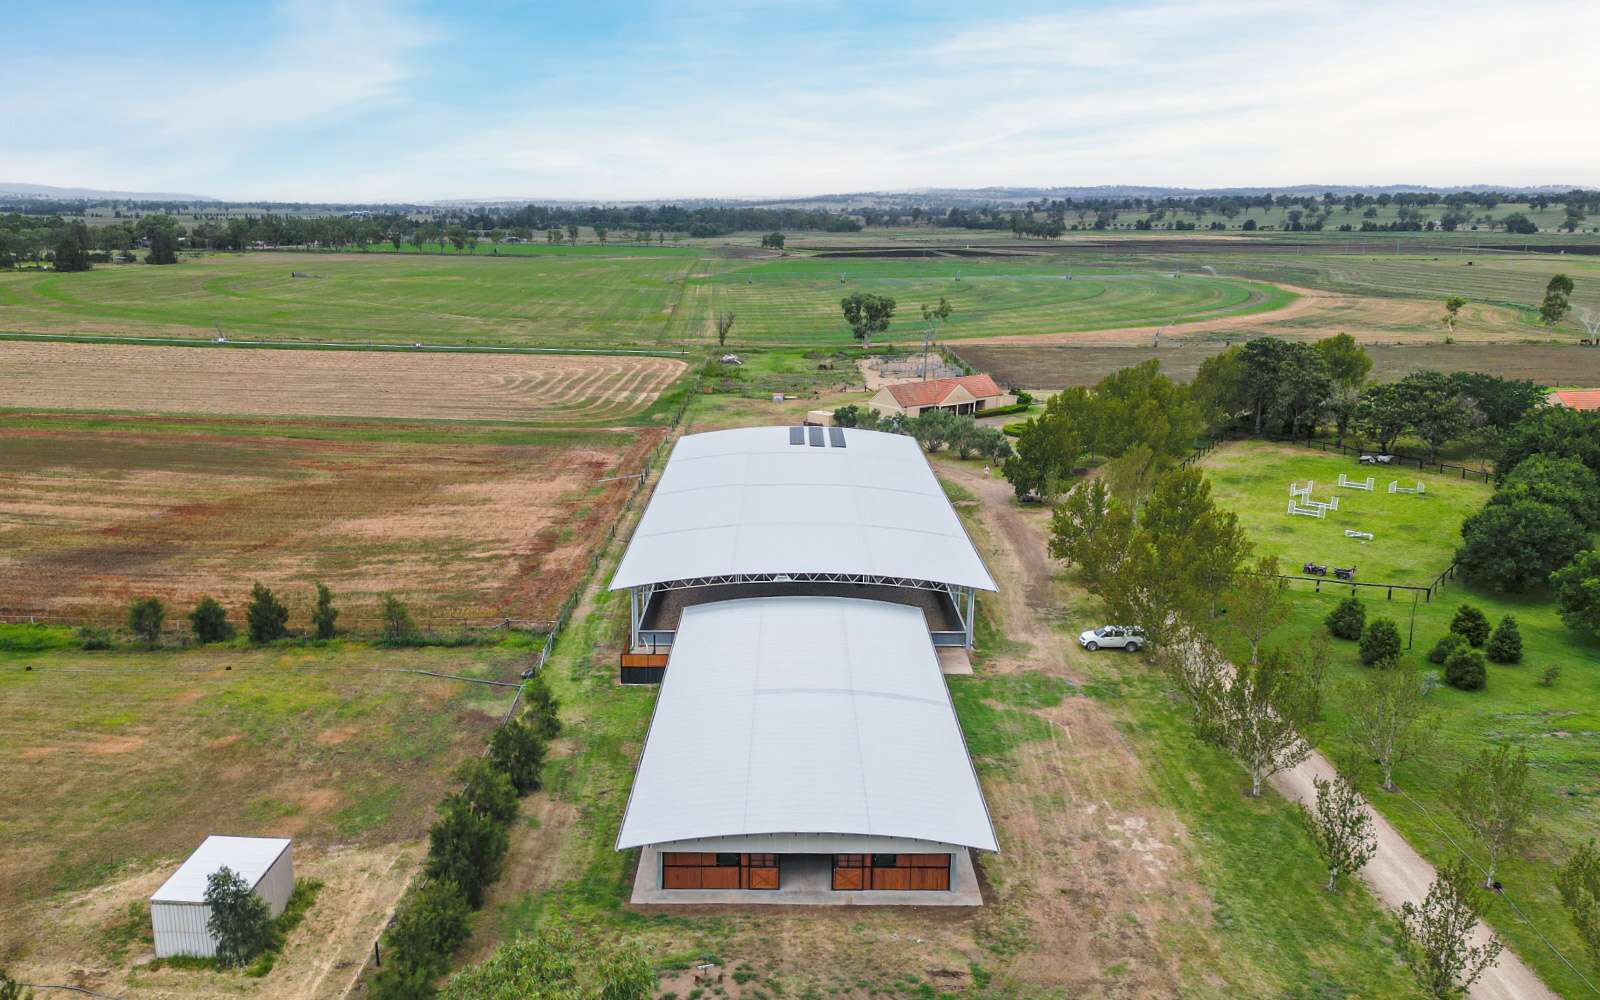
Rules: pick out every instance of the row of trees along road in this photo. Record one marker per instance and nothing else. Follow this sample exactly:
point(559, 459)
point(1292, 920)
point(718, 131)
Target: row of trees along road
point(1148, 540)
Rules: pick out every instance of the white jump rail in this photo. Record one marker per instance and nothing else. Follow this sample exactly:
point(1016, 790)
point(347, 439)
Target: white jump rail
point(1318, 511)
point(1350, 484)
point(1395, 487)
point(1295, 490)
point(1348, 533)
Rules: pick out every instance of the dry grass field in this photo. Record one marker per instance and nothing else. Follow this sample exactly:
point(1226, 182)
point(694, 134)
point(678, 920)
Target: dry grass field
point(547, 389)
point(113, 767)
point(99, 512)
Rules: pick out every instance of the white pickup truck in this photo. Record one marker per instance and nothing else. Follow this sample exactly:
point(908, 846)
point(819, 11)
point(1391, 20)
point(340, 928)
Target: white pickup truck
point(1113, 637)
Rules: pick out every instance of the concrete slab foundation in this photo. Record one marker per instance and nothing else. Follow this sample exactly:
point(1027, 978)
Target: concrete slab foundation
point(806, 880)
point(954, 660)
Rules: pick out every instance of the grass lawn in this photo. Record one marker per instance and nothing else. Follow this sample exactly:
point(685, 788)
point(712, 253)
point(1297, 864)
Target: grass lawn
point(1558, 725)
point(1415, 534)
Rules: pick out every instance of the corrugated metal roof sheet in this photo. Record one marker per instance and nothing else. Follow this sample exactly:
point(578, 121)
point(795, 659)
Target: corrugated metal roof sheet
point(1579, 399)
point(250, 857)
point(805, 715)
point(745, 502)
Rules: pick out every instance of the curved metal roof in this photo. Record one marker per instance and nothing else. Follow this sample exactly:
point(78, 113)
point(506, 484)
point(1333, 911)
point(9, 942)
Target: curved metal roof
point(805, 715)
point(748, 502)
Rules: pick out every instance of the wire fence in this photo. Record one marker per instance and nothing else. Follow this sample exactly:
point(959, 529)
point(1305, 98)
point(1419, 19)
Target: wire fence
point(1394, 459)
point(1503, 894)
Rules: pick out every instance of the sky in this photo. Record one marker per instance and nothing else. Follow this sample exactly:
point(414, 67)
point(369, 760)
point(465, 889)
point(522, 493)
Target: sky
point(361, 101)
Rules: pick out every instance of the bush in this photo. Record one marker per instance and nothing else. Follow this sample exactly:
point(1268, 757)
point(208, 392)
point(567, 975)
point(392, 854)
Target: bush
point(1380, 641)
point(1505, 646)
point(90, 637)
point(145, 617)
point(1447, 644)
point(1348, 619)
point(518, 752)
point(466, 848)
point(1471, 624)
point(324, 614)
point(210, 622)
point(240, 920)
point(487, 790)
point(428, 929)
point(1577, 591)
point(1465, 670)
point(543, 711)
point(1548, 677)
point(266, 617)
point(397, 623)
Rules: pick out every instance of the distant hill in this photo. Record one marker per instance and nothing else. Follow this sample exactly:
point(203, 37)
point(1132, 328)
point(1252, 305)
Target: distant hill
point(9, 189)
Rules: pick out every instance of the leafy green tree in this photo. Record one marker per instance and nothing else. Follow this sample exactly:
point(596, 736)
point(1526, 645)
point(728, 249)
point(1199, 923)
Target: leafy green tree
point(266, 617)
point(1516, 546)
point(1557, 302)
point(553, 965)
point(1447, 644)
point(1389, 717)
point(572, 235)
point(324, 614)
point(1219, 389)
point(1253, 712)
point(72, 248)
point(1380, 641)
point(517, 749)
point(1577, 592)
point(1262, 359)
point(1471, 624)
point(772, 241)
point(1464, 669)
point(1349, 366)
point(466, 848)
point(867, 314)
point(1555, 431)
point(1436, 935)
point(1049, 447)
point(543, 708)
point(163, 248)
point(1383, 415)
point(1501, 401)
point(397, 623)
point(1436, 410)
point(1578, 882)
point(1090, 529)
point(417, 947)
point(1257, 604)
point(209, 621)
point(1505, 646)
point(1305, 384)
point(1452, 306)
point(239, 920)
point(145, 617)
point(1139, 406)
point(10, 989)
point(723, 321)
point(937, 316)
point(1340, 827)
point(487, 790)
point(1347, 619)
point(1492, 798)
point(1560, 482)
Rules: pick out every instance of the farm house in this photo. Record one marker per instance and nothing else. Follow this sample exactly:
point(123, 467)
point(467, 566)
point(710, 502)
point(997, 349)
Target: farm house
point(178, 911)
point(796, 511)
point(967, 394)
point(805, 749)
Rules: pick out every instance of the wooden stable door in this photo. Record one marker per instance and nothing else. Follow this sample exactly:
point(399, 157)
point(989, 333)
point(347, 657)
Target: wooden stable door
point(892, 872)
point(687, 870)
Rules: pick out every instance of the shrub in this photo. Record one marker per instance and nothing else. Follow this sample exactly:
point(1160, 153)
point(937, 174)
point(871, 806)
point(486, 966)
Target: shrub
point(518, 751)
point(1505, 646)
point(1465, 670)
point(397, 623)
point(1380, 641)
point(1577, 591)
point(145, 617)
point(487, 790)
point(428, 929)
point(266, 617)
point(543, 708)
point(1447, 644)
point(1348, 619)
point(466, 848)
point(1471, 624)
point(90, 637)
point(324, 614)
point(210, 622)
point(240, 920)
point(1548, 677)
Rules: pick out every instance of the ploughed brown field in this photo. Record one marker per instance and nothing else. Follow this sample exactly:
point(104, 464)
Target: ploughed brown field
point(95, 517)
point(1052, 366)
point(543, 388)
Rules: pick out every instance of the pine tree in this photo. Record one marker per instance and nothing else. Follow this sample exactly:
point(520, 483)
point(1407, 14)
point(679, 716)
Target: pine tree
point(324, 614)
point(1505, 645)
point(1472, 624)
point(1348, 619)
point(266, 616)
point(210, 621)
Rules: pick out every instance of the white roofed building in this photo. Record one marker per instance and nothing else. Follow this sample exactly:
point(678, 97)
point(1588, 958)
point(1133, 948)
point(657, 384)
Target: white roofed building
point(805, 749)
point(178, 911)
point(798, 511)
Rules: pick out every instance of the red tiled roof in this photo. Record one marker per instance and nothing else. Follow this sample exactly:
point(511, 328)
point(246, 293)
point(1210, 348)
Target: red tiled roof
point(933, 393)
point(1579, 399)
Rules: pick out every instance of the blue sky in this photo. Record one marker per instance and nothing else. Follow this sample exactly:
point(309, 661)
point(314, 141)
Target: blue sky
point(310, 100)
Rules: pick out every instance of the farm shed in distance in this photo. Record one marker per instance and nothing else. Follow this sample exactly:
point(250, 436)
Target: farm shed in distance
point(797, 511)
point(805, 750)
point(178, 911)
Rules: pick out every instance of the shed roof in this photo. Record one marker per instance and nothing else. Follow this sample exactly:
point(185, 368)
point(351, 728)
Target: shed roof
point(934, 392)
point(1578, 399)
point(250, 857)
point(748, 502)
point(804, 715)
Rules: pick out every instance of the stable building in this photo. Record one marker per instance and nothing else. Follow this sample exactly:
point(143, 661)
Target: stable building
point(796, 511)
point(804, 749)
point(178, 911)
point(968, 394)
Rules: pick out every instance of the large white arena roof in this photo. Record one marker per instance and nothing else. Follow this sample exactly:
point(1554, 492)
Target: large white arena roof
point(779, 500)
point(249, 857)
point(805, 715)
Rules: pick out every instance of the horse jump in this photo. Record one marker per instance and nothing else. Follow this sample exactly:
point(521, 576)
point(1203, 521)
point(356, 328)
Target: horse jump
point(1352, 485)
point(1395, 487)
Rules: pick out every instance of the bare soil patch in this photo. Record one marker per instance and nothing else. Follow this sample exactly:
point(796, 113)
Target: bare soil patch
point(155, 379)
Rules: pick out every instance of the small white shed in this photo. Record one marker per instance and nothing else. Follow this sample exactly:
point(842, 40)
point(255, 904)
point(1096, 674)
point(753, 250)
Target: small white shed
point(178, 911)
